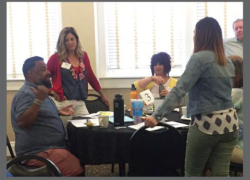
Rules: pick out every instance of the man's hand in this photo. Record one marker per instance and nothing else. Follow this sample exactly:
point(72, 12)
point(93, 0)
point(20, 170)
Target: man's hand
point(150, 121)
point(67, 111)
point(41, 93)
point(164, 92)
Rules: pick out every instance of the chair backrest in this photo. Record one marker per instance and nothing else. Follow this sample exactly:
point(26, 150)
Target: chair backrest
point(234, 167)
point(10, 148)
point(156, 153)
point(17, 169)
point(96, 104)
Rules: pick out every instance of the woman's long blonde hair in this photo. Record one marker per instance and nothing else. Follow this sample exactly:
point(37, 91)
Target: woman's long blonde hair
point(61, 48)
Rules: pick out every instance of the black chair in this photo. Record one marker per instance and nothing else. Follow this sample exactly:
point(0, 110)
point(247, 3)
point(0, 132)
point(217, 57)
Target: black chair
point(234, 167)
point(157, 153)
point(96, 104)
point(17, 169)
point(10, 148)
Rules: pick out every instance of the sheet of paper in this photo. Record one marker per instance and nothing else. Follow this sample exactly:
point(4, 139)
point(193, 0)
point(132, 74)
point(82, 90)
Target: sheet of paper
point(147, 97)
point(79, 122)
point(138, 126)
point(95, 115)
point(184, 117)
point(109, 113)
point(91, 115)
point(177, 110)
point(82, 120)
point(155, 128)
point(176, 124)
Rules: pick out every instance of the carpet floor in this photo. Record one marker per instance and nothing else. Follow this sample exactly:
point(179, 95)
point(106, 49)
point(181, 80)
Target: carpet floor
point(104, 170)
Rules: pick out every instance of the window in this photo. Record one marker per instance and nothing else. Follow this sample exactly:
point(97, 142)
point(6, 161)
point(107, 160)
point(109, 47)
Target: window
point(32, 30)
point(129, 33)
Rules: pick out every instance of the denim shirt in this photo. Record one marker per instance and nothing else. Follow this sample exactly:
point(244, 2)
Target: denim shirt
point(208, 84)
point(47, 132)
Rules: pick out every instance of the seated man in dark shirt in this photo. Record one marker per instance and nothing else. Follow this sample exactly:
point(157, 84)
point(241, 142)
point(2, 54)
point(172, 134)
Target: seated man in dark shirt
point(36, 122)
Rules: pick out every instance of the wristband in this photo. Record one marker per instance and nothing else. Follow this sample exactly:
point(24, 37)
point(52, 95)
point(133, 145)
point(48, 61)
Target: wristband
point(38, 102)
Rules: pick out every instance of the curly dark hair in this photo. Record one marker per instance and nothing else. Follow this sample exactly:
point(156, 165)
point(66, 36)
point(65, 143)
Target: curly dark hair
point(163, 59)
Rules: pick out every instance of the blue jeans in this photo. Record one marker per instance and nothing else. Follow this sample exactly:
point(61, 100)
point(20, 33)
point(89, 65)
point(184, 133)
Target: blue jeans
point(214, 151)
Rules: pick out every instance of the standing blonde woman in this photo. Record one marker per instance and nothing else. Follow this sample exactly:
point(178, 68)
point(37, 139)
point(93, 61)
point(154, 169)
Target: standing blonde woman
point(208, 79)
point(71, 72)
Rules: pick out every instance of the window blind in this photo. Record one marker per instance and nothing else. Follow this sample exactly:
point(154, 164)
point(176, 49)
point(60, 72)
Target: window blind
point(134, 31)
point(32, 30)
point(224, 12)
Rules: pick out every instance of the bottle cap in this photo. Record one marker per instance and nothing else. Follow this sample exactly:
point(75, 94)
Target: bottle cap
point(133, 87)
point(118, 95)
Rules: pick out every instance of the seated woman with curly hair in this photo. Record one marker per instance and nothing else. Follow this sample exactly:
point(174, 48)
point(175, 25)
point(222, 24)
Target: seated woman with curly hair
point(160, 68)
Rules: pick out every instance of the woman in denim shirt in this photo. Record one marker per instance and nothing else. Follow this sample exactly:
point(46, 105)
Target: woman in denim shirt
point(208, 79)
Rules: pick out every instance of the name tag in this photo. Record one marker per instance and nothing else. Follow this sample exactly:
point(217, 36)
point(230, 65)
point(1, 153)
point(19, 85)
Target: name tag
point(66, 65)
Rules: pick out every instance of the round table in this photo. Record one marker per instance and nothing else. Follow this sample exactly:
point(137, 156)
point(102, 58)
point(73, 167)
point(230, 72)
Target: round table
point(94, 146)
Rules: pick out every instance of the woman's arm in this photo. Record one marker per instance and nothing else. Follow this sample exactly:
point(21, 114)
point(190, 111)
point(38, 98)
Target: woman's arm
point(147, 83)
point(53, 67)
point(103, 97)
point(144, 82)
point(91, 78)
point(173, 99)
point(184, 84)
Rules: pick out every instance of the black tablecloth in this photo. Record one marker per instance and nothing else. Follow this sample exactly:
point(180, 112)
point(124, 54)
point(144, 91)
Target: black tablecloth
point(105, 146)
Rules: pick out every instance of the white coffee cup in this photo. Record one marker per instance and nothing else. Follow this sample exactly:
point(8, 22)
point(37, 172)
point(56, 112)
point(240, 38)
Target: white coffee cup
point(184, 110)
point(103, 121)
